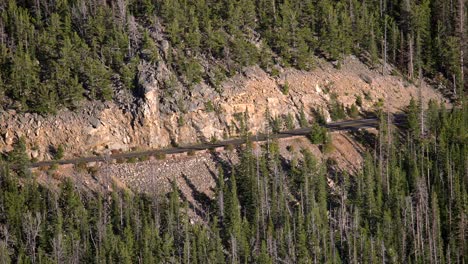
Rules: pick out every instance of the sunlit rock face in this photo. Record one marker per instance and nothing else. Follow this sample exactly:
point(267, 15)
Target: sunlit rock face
point(163, 114)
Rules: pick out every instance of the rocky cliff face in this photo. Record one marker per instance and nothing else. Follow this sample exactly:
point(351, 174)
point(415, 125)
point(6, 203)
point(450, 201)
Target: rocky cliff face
point(202, 113)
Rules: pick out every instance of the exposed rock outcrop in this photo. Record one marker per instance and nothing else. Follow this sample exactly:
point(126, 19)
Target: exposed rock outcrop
point(201, 112)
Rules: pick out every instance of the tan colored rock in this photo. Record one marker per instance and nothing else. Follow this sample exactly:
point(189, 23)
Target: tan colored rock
point(100, 127)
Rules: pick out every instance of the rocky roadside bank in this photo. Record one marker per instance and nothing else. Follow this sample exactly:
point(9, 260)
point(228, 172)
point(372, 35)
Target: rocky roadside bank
point(203, 114)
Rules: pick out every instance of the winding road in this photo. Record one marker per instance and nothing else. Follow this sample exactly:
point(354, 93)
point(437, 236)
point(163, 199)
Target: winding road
point(372, 122)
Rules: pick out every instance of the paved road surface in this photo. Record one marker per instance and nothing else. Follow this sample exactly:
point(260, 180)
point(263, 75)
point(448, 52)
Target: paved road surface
point(337, 126)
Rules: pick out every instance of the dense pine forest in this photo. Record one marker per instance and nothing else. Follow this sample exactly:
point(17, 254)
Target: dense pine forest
point(54, 54)
point(408, 204)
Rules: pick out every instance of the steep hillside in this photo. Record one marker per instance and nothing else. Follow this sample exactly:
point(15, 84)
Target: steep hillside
point(196, 174)
point(245, 98)
point(408, 203)
point(97, 76)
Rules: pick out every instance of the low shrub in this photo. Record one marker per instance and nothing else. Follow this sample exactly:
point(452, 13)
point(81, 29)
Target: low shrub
point(337, 111)
point(209, 107)
point(143, 158)
point(160, 156)
point(58, 152)
point(328, 147)
point(81, 167)
point(318, 134)
point(359, 101)
point(213, 139)
point(289, 121)
point(132, 160)
point(302, 119)
point(181, 121)
point(353, 112)
point(229, 147)
point(367, 96)
point(276, 124)
point(285, 88)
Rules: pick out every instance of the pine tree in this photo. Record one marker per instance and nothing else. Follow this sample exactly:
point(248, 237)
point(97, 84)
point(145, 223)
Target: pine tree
point(264, 257)
point(413, 120)
point(18, 157)
point(24, 77)
point(193, 36)
point(328, 29)
point(301, 241)
point(451, 63)
point(97, 80)
point(233, 221)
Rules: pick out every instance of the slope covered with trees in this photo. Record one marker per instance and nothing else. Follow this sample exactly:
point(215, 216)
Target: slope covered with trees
point(55, 53)
point(407, 205)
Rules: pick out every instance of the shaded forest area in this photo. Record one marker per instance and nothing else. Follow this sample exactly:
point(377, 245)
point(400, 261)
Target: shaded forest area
point(53, 54)
point(408, 204)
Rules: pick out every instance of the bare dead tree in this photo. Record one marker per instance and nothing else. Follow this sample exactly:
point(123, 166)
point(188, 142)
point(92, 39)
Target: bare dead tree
point(3, 35)
point(273, 4)
point(384, 48)
point(122, 11)
point(37, 7)
point(421, 101)
point(5, 233)
point(234, 258)
point(76, 251)
point(290, 242)
point(4, 254)
point(383, 251)
point(121, 205)
point(79, 15)
point(401, 58)
point(389, 145)
point(221, 202)
point(411, 56)
point(404, 236)
point(31, 228)
point(100, 228)
point(133, 34)
point(435, 232)
point(261, 217)
point(461, 35)
point(58, 249)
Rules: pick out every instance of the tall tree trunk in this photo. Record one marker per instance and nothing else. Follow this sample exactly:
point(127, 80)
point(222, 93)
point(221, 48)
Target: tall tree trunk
point(384, 50)
point(461, 22)
point(421, 104)
point(411, 56)
point(401, 58)
point(389, 145)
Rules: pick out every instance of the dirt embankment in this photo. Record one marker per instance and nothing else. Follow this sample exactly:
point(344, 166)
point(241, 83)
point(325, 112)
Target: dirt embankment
point(195, 175)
